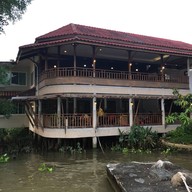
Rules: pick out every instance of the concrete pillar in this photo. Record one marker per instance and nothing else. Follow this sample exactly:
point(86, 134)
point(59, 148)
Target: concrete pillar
point(59, 112)
point(130, 112)
point(94, 142)
point(163, 112)
point(94, 104)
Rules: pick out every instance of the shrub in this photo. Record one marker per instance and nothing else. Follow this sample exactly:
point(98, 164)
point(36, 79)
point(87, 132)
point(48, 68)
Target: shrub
point(139, 137)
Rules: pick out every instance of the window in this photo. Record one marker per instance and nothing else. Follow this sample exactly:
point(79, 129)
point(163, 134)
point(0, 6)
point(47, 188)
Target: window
point(18, 78)
point(19, 108)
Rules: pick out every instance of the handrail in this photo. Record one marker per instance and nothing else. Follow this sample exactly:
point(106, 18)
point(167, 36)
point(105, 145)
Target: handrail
point(111, 74)
point(148, 119)
point(107, 120)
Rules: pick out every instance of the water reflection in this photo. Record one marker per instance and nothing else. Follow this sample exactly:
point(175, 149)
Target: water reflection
point(72, 173)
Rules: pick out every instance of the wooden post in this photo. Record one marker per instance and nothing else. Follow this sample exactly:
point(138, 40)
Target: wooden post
point(58, 60)
point(74, 105)
point(46, 61)
point(94, 60)
point(105, 104)
point(162, 69)
point(59, 112)
point(67, 106)
point(75, 59)
point(129, 64)
point(39, 111)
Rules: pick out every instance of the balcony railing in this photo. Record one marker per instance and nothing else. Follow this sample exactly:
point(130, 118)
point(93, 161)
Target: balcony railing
point(108, 120)
point(148, 119)
point(67, 121)
point(113, 120)
point(111, 74)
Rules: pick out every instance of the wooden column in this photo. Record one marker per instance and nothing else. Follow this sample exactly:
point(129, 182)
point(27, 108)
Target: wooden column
point(59, 55)
point(129, 64)
point(130, 112)
point(162, 69)
point(59, 112)
point(74, 105)
point(105, 104)
point(67, 106)
point(39, 111)
point(46, 60)
point(94, 60)
point(163, 112)
point(75, 59)
point(94, 112)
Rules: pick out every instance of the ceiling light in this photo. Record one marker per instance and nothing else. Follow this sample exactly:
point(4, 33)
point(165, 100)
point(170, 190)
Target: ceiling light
point(159, 57)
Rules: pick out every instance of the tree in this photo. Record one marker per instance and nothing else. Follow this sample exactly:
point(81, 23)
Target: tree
point(185, 102)
point(4, 75)
point(11, 11)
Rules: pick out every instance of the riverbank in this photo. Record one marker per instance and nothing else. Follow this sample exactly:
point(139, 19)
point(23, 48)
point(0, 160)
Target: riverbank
point(177, 145)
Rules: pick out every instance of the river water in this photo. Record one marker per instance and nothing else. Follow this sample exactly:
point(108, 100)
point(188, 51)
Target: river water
point(84, 172)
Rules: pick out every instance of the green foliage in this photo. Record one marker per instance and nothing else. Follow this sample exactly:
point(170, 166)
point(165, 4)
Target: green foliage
point(116, 147)
point(4, 75)
point(6, 108)
point(72, 150)
point(182, 134)
point(185, 102)
point(139, 139)
point(166, 152)
point(11, 11)
point(4, 158)
point(125, 150)
point(16, 139)
point(45, 168)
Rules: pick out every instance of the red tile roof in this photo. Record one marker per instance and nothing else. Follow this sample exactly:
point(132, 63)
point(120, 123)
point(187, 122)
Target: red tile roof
point(74, 32)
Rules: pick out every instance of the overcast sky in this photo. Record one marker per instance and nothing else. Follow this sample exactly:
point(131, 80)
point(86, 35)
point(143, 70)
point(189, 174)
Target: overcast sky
point(170, 19)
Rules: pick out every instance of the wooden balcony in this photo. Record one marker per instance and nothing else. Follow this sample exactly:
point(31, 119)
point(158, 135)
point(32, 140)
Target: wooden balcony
point(108, 120)
point(61, 76)
point(112, 74)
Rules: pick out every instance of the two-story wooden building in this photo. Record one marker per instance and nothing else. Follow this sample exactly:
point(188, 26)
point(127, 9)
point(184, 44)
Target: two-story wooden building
point(91, 82)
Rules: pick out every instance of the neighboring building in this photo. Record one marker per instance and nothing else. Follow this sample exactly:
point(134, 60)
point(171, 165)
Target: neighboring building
point(91, 82)
point(16, 84)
